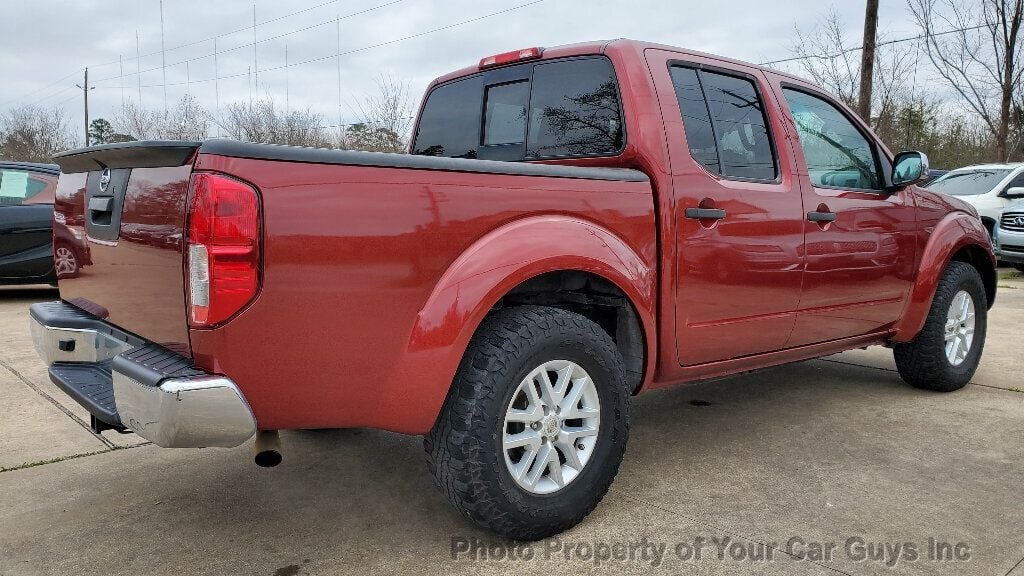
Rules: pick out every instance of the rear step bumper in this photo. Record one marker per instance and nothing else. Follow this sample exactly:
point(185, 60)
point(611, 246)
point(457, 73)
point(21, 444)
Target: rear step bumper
point(127, 382)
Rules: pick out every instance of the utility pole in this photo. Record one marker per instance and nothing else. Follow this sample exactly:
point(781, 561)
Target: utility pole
point(138, 66)
point(216, 86)
point(341, 128)
point(163, 55)
point(85, 94)
point(255, 59)
point(867, 60)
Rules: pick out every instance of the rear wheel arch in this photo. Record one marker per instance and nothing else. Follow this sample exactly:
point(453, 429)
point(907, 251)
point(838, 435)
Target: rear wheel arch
point(516, 260)
point(596, 298)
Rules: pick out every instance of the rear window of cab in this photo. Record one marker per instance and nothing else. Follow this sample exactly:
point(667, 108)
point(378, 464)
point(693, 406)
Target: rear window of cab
point(555, 109)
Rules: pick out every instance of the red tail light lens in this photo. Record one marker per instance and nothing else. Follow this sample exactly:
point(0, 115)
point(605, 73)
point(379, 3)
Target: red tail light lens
point(223, 255)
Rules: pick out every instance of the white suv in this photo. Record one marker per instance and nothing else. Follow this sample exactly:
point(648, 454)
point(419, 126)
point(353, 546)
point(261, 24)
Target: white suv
point(986, 187)
point(1009, 236)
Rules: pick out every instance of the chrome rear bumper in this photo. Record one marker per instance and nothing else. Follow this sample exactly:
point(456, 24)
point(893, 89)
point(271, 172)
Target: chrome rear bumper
point(127, 382)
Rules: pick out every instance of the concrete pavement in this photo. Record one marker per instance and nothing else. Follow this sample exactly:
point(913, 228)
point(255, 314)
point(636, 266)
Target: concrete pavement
point(834, 459)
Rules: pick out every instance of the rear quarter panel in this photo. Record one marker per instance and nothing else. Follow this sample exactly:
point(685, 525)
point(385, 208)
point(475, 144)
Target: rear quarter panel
point(351, 328)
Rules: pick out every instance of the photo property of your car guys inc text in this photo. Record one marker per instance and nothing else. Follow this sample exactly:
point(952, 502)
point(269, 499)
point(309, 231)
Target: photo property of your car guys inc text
point(429, 287)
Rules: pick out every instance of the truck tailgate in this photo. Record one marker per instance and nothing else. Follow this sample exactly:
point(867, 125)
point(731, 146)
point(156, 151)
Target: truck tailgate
point(126, 205)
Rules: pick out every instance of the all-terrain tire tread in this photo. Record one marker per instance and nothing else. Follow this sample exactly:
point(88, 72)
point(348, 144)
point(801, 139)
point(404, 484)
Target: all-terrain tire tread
point(922, 363)
point(455, 444)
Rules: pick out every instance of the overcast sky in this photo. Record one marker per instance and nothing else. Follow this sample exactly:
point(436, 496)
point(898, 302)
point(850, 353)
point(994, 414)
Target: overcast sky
point(44, 44)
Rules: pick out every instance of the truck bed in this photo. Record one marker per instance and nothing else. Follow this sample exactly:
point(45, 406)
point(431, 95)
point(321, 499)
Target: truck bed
point(354, 245)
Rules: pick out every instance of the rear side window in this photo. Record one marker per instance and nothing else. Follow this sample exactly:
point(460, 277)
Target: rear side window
point(574, 110)
point(725, 125)
point(696, 118)
point(19, 187)
point(448, 127)
point(542, 110)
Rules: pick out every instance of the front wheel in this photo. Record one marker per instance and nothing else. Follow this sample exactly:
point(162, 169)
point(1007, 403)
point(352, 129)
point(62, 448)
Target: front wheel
point(945, 354)
point(535, 425)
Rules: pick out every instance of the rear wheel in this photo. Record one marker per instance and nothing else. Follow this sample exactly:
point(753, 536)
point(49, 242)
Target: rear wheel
point(535, 425)
point(944, 356)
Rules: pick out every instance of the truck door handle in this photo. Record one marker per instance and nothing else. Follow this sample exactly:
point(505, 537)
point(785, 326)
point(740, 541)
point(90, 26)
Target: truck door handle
point(821, 216)
point(705, 213)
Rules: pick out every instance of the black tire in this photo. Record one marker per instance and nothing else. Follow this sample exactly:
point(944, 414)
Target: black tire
point(923, 363)
point(463, 449)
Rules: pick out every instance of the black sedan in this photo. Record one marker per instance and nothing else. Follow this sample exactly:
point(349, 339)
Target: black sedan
point(33, 248)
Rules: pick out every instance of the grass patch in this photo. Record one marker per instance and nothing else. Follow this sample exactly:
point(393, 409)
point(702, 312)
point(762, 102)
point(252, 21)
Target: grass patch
point(1009, 274)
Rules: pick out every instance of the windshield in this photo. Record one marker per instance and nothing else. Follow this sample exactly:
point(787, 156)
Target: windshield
point(969, 182)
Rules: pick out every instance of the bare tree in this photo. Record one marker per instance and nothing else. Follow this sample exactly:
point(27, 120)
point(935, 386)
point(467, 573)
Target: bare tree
point(385, 119)
point(263, 121)
point(360, 136)
point(138, 122)
point(186, 121)
point(34, 134)
point(982, 60)
point(831, 61)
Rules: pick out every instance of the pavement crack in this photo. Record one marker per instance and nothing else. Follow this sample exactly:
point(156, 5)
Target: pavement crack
point(897, 372)
point(71, 457)
point(731, 533)
point(1010, 571)
point(110, 445)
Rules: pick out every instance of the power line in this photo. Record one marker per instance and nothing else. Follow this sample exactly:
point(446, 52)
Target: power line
point(362, 49)
point(38, 90)
point(856, 48)
point(261, 41)
point(245, 29)
point(138, 56)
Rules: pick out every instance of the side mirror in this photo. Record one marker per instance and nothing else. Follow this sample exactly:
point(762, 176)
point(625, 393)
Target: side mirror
point(909, 168)
point(1015, 192)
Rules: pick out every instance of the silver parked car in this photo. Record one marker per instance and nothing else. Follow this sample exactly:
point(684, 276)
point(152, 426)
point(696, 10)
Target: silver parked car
point(1009, 235)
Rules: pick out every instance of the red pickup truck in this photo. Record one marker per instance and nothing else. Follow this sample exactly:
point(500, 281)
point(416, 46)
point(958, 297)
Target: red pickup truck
point(573, 226)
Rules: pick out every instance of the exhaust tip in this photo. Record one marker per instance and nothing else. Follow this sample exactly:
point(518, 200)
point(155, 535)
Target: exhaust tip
point(267, 458)
point(268, 449)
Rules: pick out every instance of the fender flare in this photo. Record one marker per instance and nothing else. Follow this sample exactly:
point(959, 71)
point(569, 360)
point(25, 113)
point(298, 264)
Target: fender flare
point(481, 276)
point(951, 234)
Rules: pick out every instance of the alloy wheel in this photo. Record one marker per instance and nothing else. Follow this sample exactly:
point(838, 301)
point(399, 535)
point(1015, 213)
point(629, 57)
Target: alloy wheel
point(551, 426)
point(959, 335)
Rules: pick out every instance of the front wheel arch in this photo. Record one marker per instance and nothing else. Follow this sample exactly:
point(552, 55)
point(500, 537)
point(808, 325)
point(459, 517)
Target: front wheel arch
point(958, 237)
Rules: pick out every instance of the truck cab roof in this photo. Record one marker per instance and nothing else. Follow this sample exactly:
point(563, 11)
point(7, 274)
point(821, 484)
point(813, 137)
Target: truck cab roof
point(604, 47)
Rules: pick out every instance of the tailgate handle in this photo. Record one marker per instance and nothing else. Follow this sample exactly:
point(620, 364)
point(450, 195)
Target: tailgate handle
point(101, 204)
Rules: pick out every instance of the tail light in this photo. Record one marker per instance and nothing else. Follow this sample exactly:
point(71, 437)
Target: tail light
point(223, 248)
